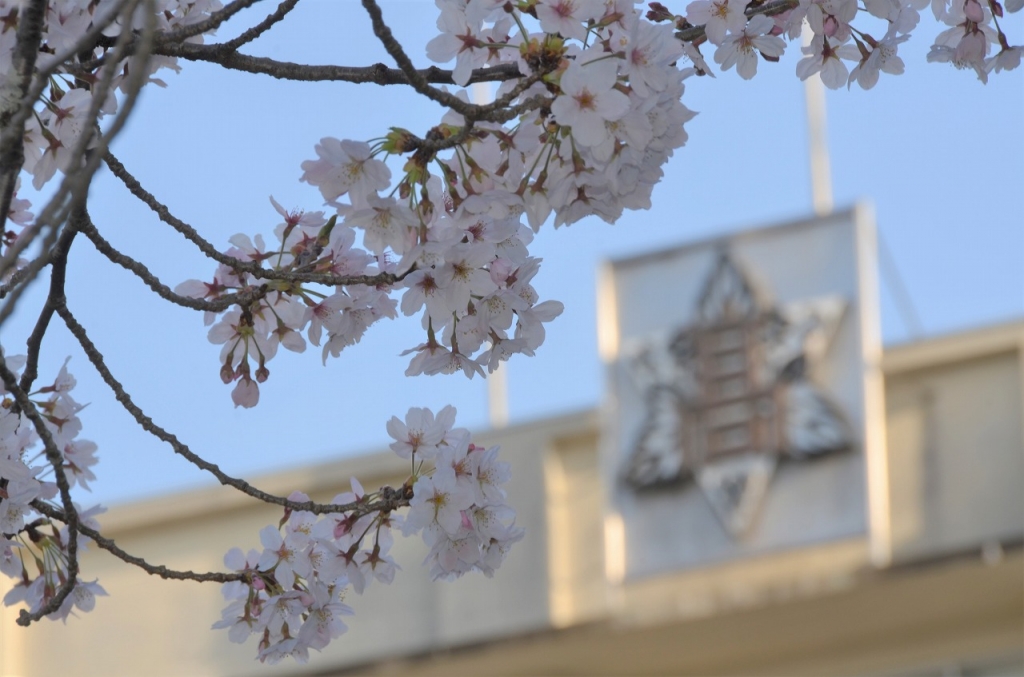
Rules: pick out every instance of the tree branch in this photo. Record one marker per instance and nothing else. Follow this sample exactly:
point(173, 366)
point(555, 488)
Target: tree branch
point(250, 267)
point(55, 297)
point(218, 305)
point(416, 80)
point(160, 570)
point(770, 8)
point(262, 27)
point(391, 500)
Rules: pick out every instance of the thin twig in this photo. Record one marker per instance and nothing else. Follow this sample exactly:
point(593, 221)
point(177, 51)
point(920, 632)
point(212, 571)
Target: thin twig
point(251, 267)
point(153, 282)
point(160, 570)
point(180, 34)
point(13, 293)
point(392, 501)
point(13, 126)
point(262, 27)
point(55, 297)
point(416, 81)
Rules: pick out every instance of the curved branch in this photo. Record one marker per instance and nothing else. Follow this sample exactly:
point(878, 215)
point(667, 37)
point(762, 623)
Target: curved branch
point(262, 27)
point(390, 500)
point(418, 83)
point(378, 74)
point(250, 267)
point(286, 70)
point(160, 570)
point(211, 23)
point(19, 283)
point(13, 124)
point(55, 297)
point(221, 304)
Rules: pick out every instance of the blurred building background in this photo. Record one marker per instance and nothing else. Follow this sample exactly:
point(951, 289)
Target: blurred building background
point(880, 536)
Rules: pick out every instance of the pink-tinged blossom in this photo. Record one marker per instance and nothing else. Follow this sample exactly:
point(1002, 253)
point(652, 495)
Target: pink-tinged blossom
point(421, 433)
point(437, 505)
point(19, 210)
point(567, 17)
point(832, 18)
point(531, 322)
point(1007, 59)
point(881, 58)
point(740, 49)
point(386, 223)
point(589, 100)
point(422, 287)
point(489, 474)
point(345, 167)
point(718, 17)
point(460, 39)
point(283, 556)
point(648, 54)
point(430, 358)
point(825, 58)
point(463, 277)
point(323, 620)
point(969, 49)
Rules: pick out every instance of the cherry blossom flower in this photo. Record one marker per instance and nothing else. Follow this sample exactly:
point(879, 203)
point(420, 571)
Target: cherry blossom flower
point(345, 167)
point(881, 58)
point(739, 48)
point(718, 17)
point(588, 100)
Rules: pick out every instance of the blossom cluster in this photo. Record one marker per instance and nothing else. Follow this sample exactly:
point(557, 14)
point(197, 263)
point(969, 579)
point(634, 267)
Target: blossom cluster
point(33, 548)
point(597, 119)
point(438, 227)
point(740, 32)
point(292, 592)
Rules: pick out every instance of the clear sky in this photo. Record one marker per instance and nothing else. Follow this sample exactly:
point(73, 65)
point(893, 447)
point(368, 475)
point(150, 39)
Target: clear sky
point(940, 156)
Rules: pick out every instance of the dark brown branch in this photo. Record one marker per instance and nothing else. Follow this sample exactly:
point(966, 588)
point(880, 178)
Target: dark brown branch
point(378, 74)
point(211, 23)
point(160, 570)
point(31, 18)
point(250, 267)
point(153, 282)
point(12, 294)
point(393, 500)
point(85, 155)
point(416, 81)
point(262, 27)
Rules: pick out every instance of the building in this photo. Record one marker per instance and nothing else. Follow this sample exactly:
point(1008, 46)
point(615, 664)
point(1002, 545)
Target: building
point(694, 529)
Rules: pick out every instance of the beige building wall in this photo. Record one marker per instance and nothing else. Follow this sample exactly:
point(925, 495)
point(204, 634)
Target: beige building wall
point(952, 603)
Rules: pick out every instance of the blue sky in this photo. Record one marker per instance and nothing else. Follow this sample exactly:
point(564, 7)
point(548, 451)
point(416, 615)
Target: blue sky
point(938, 154)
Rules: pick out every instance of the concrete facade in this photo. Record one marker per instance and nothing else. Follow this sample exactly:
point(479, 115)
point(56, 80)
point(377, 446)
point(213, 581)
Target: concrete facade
point(951, 602)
